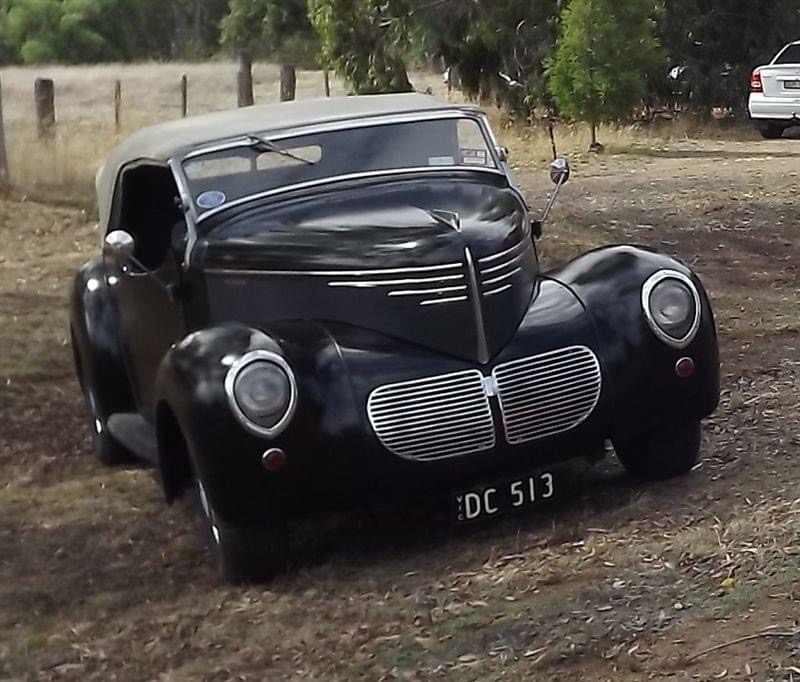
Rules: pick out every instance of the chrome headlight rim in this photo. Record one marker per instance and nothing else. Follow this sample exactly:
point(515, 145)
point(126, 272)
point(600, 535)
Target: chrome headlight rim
point(230, 391)
point(647, 290)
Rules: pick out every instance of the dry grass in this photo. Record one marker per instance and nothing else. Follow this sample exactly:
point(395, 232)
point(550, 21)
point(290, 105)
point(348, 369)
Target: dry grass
point(64, 168)
point(151, 93)
point(101, 581)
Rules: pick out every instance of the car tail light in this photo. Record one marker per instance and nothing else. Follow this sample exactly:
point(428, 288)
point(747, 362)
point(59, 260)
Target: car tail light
point(756, 85)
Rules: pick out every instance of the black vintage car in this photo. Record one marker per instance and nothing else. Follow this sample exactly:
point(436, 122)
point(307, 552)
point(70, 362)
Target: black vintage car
point(317, 304)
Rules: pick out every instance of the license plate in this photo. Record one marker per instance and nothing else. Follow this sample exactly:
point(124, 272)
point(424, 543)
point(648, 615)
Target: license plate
point(791, 85)
point(518, 493)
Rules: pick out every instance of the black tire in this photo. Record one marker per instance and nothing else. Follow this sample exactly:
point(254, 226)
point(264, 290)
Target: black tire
point(105, 447)
point(244, 555)
point(663, 453)
point(771, 132)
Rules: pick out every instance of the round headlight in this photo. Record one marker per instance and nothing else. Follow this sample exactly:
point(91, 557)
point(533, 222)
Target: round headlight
point(262, 392)
point(672, 307)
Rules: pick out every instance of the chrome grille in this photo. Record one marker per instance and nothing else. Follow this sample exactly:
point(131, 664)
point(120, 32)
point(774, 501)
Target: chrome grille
point(497, 270)
point(433, 418)
point(547, 394)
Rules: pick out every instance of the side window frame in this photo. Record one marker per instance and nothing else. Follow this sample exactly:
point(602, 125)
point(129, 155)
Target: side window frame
point(115, 221)
point(115, 215)
point(190, 214)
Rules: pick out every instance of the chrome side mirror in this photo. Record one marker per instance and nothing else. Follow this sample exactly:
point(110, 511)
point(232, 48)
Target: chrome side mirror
point(559, 174)
point(559, 171)
point(118, 247)
point(502, 152)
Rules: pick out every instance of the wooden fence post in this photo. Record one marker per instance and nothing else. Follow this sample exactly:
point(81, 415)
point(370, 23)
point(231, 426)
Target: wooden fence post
point(4, 178)
point(184, 95)
point(288, 82)
point(44, 93)
point(326, 82)
point(117, 105)
point(244, 80)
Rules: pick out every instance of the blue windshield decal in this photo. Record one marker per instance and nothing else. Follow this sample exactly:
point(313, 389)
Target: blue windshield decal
point(211, 199)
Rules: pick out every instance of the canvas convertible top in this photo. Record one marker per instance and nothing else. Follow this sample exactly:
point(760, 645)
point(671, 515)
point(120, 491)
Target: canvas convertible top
point(164, 141)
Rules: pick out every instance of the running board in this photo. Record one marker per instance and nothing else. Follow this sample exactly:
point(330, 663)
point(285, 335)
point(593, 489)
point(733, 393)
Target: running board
point(134, 432)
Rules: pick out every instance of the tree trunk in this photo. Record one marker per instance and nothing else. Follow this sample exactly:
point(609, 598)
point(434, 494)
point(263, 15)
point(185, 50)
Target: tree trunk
point(288, 82)
point(3, 157)
point(485, 86)
point(594, 145)
point(326, 82)
point(552, 134)
point(244, 80)
point(390, 75)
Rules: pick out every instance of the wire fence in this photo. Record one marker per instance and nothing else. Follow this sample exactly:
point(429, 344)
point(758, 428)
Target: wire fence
point(59, 122)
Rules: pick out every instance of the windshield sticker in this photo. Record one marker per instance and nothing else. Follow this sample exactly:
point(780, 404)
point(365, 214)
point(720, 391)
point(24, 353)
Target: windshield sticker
point(441, 161)
point(211, 199)
point(474, 157)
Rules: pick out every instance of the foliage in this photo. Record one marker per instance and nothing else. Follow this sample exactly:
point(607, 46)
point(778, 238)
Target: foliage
point(369, 42)
point(606, 48)
point(482, 39)
point(366, 41)
point(277, 29)
point(74, 31)
point(35, 30)
point(716, 43)
point(712, 45)
point(197, 27)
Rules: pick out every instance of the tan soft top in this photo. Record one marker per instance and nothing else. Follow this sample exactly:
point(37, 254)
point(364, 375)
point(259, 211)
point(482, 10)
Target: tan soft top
point(165, 141)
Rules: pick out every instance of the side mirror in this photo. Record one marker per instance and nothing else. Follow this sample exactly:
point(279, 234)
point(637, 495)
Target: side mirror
point(118, 247)
point(502, 152)
point(559, 171)
point(559, 174)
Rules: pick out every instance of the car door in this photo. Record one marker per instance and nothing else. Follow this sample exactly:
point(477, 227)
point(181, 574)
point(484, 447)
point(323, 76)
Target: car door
point(152, 320)
point(151, 311)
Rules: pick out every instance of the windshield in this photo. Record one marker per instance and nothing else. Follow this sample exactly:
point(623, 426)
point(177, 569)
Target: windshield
point(262, 164)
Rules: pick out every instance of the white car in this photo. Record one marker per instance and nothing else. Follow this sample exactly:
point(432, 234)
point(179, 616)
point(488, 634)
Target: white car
point(775, 93)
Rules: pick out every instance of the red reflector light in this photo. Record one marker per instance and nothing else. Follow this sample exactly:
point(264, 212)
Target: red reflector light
point(756, 84)
point(274, 459)
point(684, 368)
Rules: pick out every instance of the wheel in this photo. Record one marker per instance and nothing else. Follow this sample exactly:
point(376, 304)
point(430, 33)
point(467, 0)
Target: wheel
point(771, 132)
point(663, 453)
point(243, 554)
point(106, 448)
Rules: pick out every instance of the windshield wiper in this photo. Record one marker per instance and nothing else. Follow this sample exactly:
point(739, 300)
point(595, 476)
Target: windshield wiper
point(264, 145)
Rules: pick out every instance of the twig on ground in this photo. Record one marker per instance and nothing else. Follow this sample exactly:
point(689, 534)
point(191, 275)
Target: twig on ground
point(766, 632)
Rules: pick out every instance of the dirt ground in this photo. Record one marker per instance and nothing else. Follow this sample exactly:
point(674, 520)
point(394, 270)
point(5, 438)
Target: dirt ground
point(99, 580)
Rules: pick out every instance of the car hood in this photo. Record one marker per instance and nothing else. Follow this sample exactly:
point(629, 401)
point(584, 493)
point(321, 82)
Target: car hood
point(448, 263)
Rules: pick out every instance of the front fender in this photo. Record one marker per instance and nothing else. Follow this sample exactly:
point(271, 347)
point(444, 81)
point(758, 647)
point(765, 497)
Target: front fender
point(640, 367)
point(223, 453)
